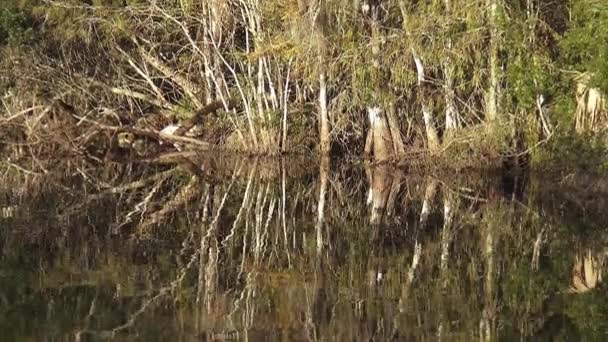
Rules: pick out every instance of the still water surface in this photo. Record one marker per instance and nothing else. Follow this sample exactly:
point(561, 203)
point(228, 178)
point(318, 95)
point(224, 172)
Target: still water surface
point(290, 250)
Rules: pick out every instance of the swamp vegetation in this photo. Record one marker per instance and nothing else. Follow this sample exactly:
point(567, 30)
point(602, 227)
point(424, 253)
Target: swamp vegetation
point(466, 82)
point(303, 170)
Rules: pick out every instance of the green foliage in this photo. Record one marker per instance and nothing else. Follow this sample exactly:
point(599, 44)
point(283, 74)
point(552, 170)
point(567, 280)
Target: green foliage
point(15, 27)
point(589, 312)
point(585, 46)
point(367, 57)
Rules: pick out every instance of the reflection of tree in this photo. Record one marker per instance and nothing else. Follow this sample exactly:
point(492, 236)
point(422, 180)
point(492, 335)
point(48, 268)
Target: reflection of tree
point(255, 251)
point(384, 187)
point(323, 180)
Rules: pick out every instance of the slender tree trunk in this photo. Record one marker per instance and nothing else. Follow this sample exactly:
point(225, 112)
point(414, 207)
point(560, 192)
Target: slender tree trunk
point(431, 132)
point(393, 124)
point(429, 124)
point(323, 114)
point(492, 92)
point(451, 114)
point(319, 22)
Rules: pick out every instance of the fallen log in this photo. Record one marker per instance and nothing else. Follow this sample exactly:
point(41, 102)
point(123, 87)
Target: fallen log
point(200, 114)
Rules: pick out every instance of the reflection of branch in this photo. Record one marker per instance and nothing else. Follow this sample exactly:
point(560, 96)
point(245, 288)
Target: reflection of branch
point(139, 183)
point(142, 206)
point(411, 273)
point(243, 205)
point(205, 237)
point(183, 196)
point(147, 303)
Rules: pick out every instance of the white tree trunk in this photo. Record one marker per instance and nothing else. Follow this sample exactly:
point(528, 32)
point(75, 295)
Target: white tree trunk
point(451, 114)
point(492, 92)
point(431, 132)
point(323, 114)
point(381, 140)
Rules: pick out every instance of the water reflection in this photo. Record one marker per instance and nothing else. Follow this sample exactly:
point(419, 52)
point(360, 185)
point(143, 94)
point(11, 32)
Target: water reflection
point(218, 248)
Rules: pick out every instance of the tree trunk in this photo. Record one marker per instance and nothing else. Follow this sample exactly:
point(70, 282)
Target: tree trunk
point(431, 131)
point(384, 140)
point(323, 115)
point(429, 124)
point(380, 141)
point(492, 92)
point(393, 124)
point(451, 115)
point(319, 22)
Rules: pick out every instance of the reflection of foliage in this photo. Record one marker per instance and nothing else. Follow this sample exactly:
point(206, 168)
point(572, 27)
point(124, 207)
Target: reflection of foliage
point(187, 253)
point(567, 152)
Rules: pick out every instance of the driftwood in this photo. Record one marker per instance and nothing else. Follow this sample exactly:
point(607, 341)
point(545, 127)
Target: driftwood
point(150, 133)
point(200, 114)
point(69, 118)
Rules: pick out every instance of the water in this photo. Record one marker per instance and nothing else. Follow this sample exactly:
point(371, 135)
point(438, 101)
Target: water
point(219, 249)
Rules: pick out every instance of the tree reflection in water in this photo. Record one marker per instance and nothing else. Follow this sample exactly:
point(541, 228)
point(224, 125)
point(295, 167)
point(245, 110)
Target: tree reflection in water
point(219, 248)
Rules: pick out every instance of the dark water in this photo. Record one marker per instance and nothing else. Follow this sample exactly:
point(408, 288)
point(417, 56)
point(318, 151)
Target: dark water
point(292, 250)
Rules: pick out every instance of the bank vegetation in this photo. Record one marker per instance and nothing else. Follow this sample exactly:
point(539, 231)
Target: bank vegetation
point(470, 83)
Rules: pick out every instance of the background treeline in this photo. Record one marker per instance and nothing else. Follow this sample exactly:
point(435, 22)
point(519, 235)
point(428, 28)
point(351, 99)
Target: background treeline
point(349, 76)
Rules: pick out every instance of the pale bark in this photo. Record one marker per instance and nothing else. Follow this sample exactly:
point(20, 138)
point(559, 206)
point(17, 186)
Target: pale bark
point(431, 131)
point(451, 114)
point(536, 250)
point(285, 109)
point(384, 139)
point(324, 131)
point(381, 143)
point(324, 178)
point(591, 106)
point(487, 325)
point(446, 235)
point(393, 124)
point(380, 185)
point(492, 91)
point(544, 119)
point(429, 124)
point(411, 274)
point(323, 115)
point(429, 197)
point(587, 272)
